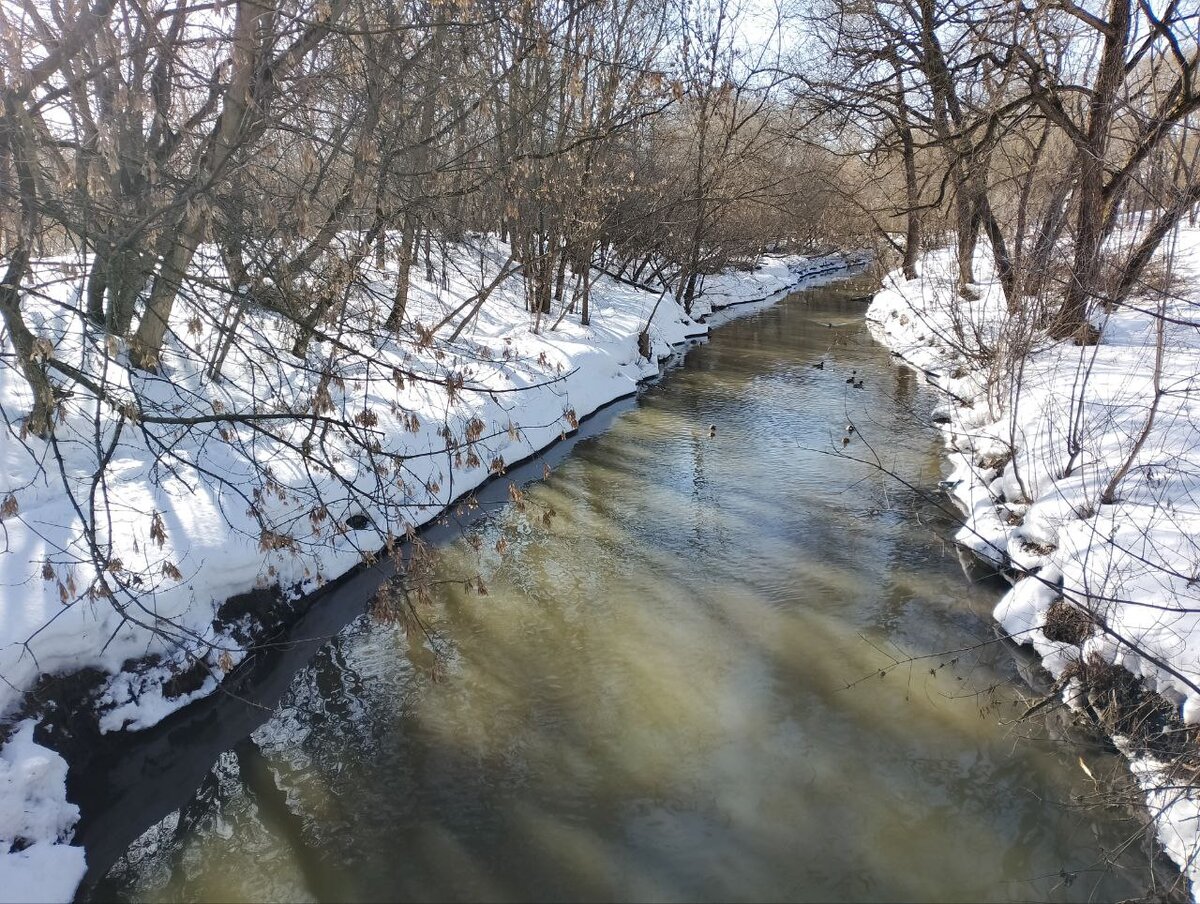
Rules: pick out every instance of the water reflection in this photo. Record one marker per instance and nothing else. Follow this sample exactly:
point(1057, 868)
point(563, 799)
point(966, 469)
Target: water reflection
point(673, 693)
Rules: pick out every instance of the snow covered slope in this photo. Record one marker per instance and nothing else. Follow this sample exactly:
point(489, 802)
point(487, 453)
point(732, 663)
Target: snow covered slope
point(1033, 448)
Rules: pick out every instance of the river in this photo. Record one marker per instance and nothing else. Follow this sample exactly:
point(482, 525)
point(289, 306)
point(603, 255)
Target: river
point(694, 684)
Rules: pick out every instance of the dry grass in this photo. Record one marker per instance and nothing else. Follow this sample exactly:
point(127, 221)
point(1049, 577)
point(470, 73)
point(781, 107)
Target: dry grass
point(1068, 624)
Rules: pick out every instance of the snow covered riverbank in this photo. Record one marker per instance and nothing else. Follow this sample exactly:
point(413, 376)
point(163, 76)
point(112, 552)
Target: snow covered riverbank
point(196, 506)
point(1086, 489)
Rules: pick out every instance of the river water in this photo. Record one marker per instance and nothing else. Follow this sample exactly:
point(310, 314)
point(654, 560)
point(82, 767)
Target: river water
point(682, 689)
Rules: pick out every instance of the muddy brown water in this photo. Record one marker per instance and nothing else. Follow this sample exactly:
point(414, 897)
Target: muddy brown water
point(673, 693)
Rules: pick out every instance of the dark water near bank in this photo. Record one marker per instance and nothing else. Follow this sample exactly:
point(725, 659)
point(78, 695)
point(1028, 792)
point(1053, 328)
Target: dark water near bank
point(674, 691)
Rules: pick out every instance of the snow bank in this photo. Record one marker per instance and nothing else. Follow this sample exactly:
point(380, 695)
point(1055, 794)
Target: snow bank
point(36, 863)
point(192, 514)
point(1030, 459)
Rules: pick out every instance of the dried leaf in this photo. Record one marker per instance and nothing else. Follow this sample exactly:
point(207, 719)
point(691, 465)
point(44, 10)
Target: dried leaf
point(158, 530)
point(270, 540)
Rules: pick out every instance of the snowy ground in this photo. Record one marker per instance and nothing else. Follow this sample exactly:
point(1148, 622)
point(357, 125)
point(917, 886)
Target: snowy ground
point(34, 808)
point(1031, 458)
point(187, 515)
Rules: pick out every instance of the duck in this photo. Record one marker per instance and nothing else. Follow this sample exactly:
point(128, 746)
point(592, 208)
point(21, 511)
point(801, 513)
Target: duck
point(712, 430)
point(850, 379)
point(845, 440)
point(849, 428)
point(820, 365)
point(858, 385)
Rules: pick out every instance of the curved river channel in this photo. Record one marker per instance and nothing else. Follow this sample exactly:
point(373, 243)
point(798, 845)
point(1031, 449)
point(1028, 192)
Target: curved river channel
point(673, 692)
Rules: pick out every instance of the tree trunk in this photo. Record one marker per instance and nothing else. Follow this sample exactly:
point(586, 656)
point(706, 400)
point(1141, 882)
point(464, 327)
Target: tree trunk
point(147, 342)
point(25, 345)
point(125, 279)
point(97, 287)
point(404, 262)
point(1142, 255)
point(967, 229)
point(912, 199)
point(1086, 269)
point(29, 352)
point(185, 233)
point(1000, 255)
point(585, 305)
point(1049, 231)
point(560, 275)
point(689, 293)
point(420, 163)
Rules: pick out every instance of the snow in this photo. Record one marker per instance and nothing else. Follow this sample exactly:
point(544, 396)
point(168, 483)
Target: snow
point(36, 817)
point(1030, 459)
point(190, 515)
